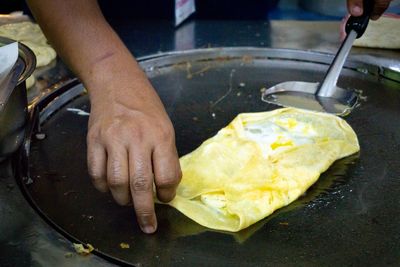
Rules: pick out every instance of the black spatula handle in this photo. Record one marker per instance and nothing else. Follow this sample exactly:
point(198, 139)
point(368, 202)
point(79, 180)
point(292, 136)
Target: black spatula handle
point(359, 24)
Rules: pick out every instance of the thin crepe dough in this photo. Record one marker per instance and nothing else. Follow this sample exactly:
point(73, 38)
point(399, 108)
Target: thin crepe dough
point(259, 163)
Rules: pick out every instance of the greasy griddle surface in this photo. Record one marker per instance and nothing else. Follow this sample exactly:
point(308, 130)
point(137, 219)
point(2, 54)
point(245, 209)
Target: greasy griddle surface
point(350, 216)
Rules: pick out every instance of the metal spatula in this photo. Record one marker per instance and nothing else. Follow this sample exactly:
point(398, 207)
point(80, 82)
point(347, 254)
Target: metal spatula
point(326, 97)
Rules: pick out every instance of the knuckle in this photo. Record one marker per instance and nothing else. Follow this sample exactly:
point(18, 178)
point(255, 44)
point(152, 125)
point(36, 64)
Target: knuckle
point(96, 177)
point(92, 137)
point(116, 177)
point(89, 137)
point(129, 130)
point(142, 183)
point(145, 214)
point(92, 161)
point(116, 181)
point(166, 133)
point(95, 173)
point(136, 134)
point(109, 132)
point(167, 181)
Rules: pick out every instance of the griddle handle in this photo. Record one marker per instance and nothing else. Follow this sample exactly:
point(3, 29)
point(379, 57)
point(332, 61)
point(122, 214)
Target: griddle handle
point(359, 24)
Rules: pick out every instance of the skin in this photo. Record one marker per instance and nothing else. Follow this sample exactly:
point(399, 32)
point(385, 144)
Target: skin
point(131, 140)
point(355, 8)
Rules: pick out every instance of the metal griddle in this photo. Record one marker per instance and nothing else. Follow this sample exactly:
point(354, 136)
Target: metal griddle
point(349, 217)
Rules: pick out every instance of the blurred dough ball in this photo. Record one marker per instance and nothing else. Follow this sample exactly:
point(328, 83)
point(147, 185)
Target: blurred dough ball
point(32, 36)
point(30, 81)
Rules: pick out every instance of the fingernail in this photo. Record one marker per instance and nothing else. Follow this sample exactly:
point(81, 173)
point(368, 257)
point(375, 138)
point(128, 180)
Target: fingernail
point(356, 10)
point(148, 229)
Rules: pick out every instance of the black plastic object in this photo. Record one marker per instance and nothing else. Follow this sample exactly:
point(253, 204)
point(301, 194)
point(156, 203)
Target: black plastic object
point(359, 24)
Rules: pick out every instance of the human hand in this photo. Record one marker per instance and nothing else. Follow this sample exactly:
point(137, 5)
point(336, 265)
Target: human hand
point(131, 144)
point(355, 8)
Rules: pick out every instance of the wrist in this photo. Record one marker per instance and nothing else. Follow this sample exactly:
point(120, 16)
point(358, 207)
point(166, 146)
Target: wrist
point(129, 88)
point(116, 78)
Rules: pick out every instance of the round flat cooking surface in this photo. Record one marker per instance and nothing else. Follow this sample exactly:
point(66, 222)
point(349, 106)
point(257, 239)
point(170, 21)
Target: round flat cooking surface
point(350, 216)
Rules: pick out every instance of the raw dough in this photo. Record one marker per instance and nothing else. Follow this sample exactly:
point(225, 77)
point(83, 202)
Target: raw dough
point(32, 36)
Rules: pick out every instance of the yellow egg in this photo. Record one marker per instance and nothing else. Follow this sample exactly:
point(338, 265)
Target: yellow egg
point(259, 163)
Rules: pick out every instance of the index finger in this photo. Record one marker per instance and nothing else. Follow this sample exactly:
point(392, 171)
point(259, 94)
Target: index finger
point(355, 7)
point(141, 185)
point(379, 7)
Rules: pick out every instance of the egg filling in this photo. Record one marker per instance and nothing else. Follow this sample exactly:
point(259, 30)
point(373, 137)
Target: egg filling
point(259, 163)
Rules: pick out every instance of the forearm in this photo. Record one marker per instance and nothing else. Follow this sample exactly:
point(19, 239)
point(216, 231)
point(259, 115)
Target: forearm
point(87, 43)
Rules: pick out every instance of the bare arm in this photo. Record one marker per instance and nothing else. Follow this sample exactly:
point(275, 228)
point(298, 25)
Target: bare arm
point(131, 141)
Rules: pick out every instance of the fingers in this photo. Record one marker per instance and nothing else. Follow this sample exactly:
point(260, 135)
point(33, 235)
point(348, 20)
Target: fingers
point(96, 157)
point(355, 7)
point(141, 186)
point(379, 7)
point(123, 154)
point(167, 171)
point(118, 174)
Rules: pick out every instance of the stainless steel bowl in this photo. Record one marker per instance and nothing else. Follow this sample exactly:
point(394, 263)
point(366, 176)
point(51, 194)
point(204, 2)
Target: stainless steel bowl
point(14, 110)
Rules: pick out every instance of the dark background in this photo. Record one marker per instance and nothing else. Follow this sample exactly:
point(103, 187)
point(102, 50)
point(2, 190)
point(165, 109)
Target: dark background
point(164, 9)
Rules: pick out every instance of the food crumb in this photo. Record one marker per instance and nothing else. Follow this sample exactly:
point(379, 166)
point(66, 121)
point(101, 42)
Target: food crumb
point(247, 59)
point(195, 118)
point(68, 255)
point(284, 223)
point(40, 136)
point(83, 249)
point(242, 84)
point(124, 245)
point(239, 94)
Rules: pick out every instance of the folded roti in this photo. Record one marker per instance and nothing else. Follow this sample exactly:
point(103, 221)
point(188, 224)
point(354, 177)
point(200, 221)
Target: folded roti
point(259, 163)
